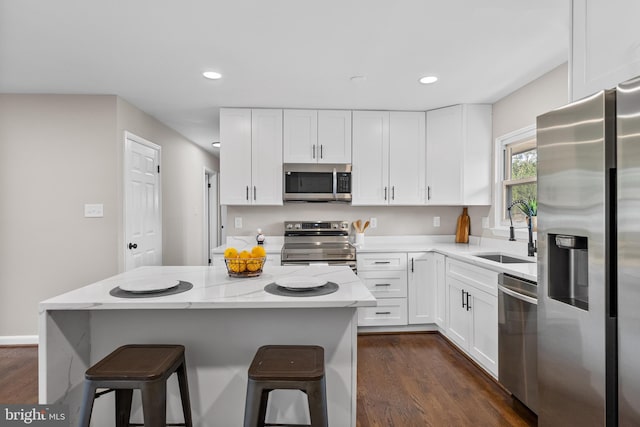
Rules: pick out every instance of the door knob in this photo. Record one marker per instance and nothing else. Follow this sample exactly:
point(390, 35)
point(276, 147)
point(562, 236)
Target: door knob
point(133, 245)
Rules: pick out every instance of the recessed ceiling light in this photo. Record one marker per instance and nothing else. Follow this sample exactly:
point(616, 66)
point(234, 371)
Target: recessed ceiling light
point(212, 75)
point(428, 79)
point(216, 144)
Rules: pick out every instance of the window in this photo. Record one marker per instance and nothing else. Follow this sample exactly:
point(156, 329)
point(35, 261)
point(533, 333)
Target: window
point(520, 174)
point(516, 167)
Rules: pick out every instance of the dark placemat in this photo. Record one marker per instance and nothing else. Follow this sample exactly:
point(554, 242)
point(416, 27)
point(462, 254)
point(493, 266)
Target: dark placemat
point(178, 289)
point(327, 289)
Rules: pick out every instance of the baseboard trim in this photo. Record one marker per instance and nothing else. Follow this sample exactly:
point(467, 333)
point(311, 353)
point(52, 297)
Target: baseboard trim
point(19, 340)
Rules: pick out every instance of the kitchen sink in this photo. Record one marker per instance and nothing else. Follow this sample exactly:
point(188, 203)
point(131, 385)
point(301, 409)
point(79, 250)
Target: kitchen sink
point(504, 259)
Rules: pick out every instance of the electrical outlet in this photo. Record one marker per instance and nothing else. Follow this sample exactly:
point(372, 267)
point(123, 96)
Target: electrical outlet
point(436, 221)
point(373, 222)
point(238, 222)
point(95, 210)
point(485, 222)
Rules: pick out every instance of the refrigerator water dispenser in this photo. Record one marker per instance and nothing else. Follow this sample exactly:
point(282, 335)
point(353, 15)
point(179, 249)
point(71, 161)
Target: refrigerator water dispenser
point(569, 270)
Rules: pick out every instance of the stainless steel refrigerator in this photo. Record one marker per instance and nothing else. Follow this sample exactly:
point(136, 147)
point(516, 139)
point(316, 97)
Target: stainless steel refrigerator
point(589, 261)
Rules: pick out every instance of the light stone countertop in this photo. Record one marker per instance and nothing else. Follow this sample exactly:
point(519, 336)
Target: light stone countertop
point(214, 289)
point(443, 244)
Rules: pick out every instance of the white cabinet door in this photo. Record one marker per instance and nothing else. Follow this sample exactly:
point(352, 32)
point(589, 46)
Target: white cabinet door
point(441, 291)
point(421, 287)
point(266, 157)
point(370, 171)
point(459, 155)
point(388, 312)
point(385, 284)
point(334, 136)
point(605, 46)
point(300, 138)
point(235, 156)
point(483, 342)
point(457, 314)
point(407, 158)
point(444, 156)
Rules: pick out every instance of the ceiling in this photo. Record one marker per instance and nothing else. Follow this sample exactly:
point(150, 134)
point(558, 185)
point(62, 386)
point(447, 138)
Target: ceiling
point(278, 53)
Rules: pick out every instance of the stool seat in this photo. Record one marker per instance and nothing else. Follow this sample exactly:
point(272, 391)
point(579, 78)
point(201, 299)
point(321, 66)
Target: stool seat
point(293, 367)
point(137, 362)
point(288, 362)
point(138, 366)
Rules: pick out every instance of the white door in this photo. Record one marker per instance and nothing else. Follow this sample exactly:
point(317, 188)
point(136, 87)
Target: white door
point(212, 214)
point(444, 156)
point(334, 136)
point(421, 287)
point(235, 156)
point(457, 313)
point(407, 159)
point(370, 158)
point(266, 157)
point(483, 344)
point(143, 223)
point(300, 139)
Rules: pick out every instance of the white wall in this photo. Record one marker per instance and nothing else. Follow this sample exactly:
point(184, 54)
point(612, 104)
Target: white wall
point(58, 152)
point(520, 108)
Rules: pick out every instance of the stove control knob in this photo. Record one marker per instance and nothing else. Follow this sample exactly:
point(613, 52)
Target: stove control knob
point(298, 226)
point(289, 226)
point(334, 226)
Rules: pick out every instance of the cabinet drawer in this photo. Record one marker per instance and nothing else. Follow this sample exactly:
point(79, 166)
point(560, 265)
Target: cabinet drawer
point(385, 284)
point(478, 277)
point(389, 312)
point(382, 261)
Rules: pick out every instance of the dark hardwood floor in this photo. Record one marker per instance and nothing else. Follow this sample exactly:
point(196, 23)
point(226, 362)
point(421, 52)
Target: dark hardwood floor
point(19, 374)
point(404, 380)
point(407, 380)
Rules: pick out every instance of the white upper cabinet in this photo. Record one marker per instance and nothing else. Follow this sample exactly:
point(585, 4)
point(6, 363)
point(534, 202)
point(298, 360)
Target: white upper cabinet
point(459, 155)
point(300, 139)
point(312, 136)
point(605, 47)
point(388, 158)
point(370, 169)
point(407, 158)
point(334, 136)
point(250, 156)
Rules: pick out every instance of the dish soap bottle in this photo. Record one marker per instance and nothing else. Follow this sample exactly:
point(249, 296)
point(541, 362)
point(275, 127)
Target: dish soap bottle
point(260, 237)
point(462, 229)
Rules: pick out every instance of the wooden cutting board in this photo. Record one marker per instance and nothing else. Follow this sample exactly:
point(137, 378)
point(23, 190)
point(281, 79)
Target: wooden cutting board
point(462, 228)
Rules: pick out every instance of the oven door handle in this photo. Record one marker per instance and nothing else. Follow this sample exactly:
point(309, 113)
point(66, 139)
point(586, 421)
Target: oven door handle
point(517, 295)
point(335, 184)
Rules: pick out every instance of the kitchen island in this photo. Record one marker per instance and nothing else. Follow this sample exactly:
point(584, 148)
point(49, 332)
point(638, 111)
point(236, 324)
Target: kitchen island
point(221, 321)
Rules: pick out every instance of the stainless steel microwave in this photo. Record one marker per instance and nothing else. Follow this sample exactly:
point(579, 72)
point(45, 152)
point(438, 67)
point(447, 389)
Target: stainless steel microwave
point(317, 183)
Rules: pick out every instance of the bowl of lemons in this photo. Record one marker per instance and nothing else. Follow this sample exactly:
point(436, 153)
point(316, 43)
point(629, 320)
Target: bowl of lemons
point(245, 263)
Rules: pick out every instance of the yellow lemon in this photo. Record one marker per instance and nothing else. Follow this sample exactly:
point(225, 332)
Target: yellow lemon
point(254, 264)
point(236, 265)
point(244, 254)
point(230, 253)
point(258, 252)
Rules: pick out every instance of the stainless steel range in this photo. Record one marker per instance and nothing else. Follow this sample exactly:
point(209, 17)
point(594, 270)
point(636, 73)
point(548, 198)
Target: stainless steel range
point(326, 242)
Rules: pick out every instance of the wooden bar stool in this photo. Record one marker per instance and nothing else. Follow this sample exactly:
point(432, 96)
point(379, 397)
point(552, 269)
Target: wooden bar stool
point(143, 367)
point(297, 367)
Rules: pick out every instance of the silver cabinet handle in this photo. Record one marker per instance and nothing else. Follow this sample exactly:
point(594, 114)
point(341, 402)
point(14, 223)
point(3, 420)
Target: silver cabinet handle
point(383, 284)
point(247, 196)
point(412, 265)
point(321, 154)
point(385, 193)
point(314, 152)
point(516, 295)
point(383, 312)
point(382, 262)
point(393, 192)
point(463, 292)
point(468, 306)
point(254, 192)
point(428, 193)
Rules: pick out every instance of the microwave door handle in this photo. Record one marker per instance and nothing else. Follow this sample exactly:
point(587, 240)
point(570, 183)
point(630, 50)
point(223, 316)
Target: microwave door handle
point(335, 184)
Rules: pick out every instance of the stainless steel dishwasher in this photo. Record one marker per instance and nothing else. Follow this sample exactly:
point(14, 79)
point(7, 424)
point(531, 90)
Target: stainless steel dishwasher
point(517, 338)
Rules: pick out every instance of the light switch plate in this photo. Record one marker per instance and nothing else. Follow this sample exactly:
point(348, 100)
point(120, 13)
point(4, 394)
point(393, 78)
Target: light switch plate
point(436, 221)
point(238, 222)
point(373, 222)
point(95, 210)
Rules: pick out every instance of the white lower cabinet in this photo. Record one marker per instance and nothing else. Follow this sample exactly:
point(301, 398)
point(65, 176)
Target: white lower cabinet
point(421, 287)
point(385, 274)
point(472, 312)
point(440, 279)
